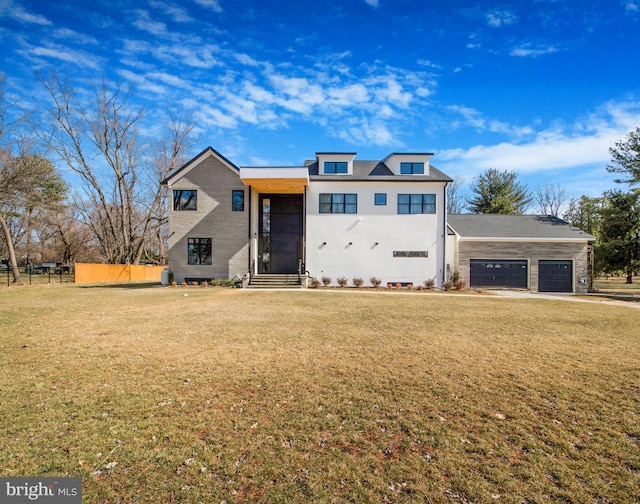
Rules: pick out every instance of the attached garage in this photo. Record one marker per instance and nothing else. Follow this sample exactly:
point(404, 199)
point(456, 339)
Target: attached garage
point(498, 273)
point(555, 276)
point(540, 253)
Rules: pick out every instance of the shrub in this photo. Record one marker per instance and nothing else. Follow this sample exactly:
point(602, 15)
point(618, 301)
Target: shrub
point(456, 276)
point(428, 284)
point(398, 285)
point(205, 283)
point(447, 286)
point(389, 285)
point(194, 283)
point(174, 283)
point(342, 281)
point(358, 282)
point(314, 283)
point(410, 286)
point(184, 284)
point(459, 284)
point(326, 281)
point(170, 278)
point(375, 282)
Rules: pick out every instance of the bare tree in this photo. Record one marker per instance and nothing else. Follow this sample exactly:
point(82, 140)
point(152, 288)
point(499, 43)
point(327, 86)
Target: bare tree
point(551, 200)
point(122, 200)
point(455, 203)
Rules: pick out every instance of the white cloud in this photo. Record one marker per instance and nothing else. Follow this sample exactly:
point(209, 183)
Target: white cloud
point(632, 6)
point(581, 144)
point(214, 5)
point(178, 14)
point(18, 12)
point(372, 3)
point(527, 50)
point(74, 36)
point(145, 23)
point(499, 18)
point(58, 52)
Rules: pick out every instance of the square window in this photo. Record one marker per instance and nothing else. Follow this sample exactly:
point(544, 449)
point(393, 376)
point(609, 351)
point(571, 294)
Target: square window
point(185, 199)
point(380, 199)
point(237, 201)
point(199, 251)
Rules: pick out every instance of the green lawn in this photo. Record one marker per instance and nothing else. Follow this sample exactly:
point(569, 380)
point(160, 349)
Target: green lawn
point(158, 395)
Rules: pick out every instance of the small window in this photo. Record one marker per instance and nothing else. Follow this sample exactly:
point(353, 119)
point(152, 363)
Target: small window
point(237, 201)
point(338, 203)
point(416, 203)
point(380, 199)
point(412, 168)
point(185, 200)
point(335, 167)
point(199, 251)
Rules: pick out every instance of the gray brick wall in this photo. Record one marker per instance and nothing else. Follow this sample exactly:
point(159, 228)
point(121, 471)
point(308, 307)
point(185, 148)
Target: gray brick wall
point(213, 219)
point(530, 251)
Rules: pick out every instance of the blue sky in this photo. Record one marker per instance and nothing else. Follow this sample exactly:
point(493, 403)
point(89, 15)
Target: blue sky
point(540, 87)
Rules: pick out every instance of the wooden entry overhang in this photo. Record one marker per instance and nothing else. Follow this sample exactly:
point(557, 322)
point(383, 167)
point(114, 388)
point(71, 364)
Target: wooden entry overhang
point(276, 180)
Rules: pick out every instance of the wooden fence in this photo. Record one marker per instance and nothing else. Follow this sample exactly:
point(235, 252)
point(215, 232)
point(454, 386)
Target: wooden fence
point(97, 273)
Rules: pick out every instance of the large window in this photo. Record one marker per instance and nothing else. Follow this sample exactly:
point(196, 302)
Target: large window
point(199, 251)
point(335, 167)
point(185, 199)
point(338, 203)
point(412, 168)
point(237, 201)
point(416, 203)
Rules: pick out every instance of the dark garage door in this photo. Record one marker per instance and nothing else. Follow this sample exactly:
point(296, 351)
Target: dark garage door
point(555, 276)
point(498, 273)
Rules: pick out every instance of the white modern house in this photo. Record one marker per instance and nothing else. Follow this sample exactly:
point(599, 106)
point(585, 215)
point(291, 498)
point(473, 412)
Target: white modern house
point(334, 216)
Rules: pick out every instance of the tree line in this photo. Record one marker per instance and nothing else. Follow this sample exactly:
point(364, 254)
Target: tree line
point(116, 212)
point(612, 218)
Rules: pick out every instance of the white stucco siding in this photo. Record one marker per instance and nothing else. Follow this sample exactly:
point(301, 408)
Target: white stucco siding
point(363, 244)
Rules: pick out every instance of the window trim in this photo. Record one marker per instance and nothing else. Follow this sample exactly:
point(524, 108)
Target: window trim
point(427, 204)
point(201, 244)
point(178, 197)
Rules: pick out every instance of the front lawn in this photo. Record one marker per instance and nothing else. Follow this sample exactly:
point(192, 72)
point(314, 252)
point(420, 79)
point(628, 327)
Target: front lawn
point(158, 395)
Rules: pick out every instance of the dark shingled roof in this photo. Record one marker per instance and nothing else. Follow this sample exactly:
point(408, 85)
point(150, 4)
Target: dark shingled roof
point(376, 170)
point(515, 226)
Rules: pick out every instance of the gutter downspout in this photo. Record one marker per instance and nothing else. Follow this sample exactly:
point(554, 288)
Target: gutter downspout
point(444, 233)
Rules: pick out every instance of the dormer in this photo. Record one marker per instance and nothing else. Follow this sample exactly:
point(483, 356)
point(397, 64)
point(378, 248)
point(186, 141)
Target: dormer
point(335, 163)
point(408, 163)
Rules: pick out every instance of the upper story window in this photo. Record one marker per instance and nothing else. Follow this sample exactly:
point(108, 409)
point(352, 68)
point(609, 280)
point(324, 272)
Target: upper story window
point(237, 200)
point(338, 203)
point(380, 199)
point(416, 203)
point(185, 199)
point(412, 168)
point(335, 167)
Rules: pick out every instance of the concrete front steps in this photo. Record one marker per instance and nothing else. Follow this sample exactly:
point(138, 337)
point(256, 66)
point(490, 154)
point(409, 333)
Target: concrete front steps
point(274, 281)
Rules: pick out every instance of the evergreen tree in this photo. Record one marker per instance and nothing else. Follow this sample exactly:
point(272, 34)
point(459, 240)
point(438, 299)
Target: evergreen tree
point(618, 248)
point(626, 159)
point(498, 192)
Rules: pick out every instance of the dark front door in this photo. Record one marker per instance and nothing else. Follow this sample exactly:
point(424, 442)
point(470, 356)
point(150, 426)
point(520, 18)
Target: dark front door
point(280, 233)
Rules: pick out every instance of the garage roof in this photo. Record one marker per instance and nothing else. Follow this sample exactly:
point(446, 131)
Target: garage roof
point(503, 226)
